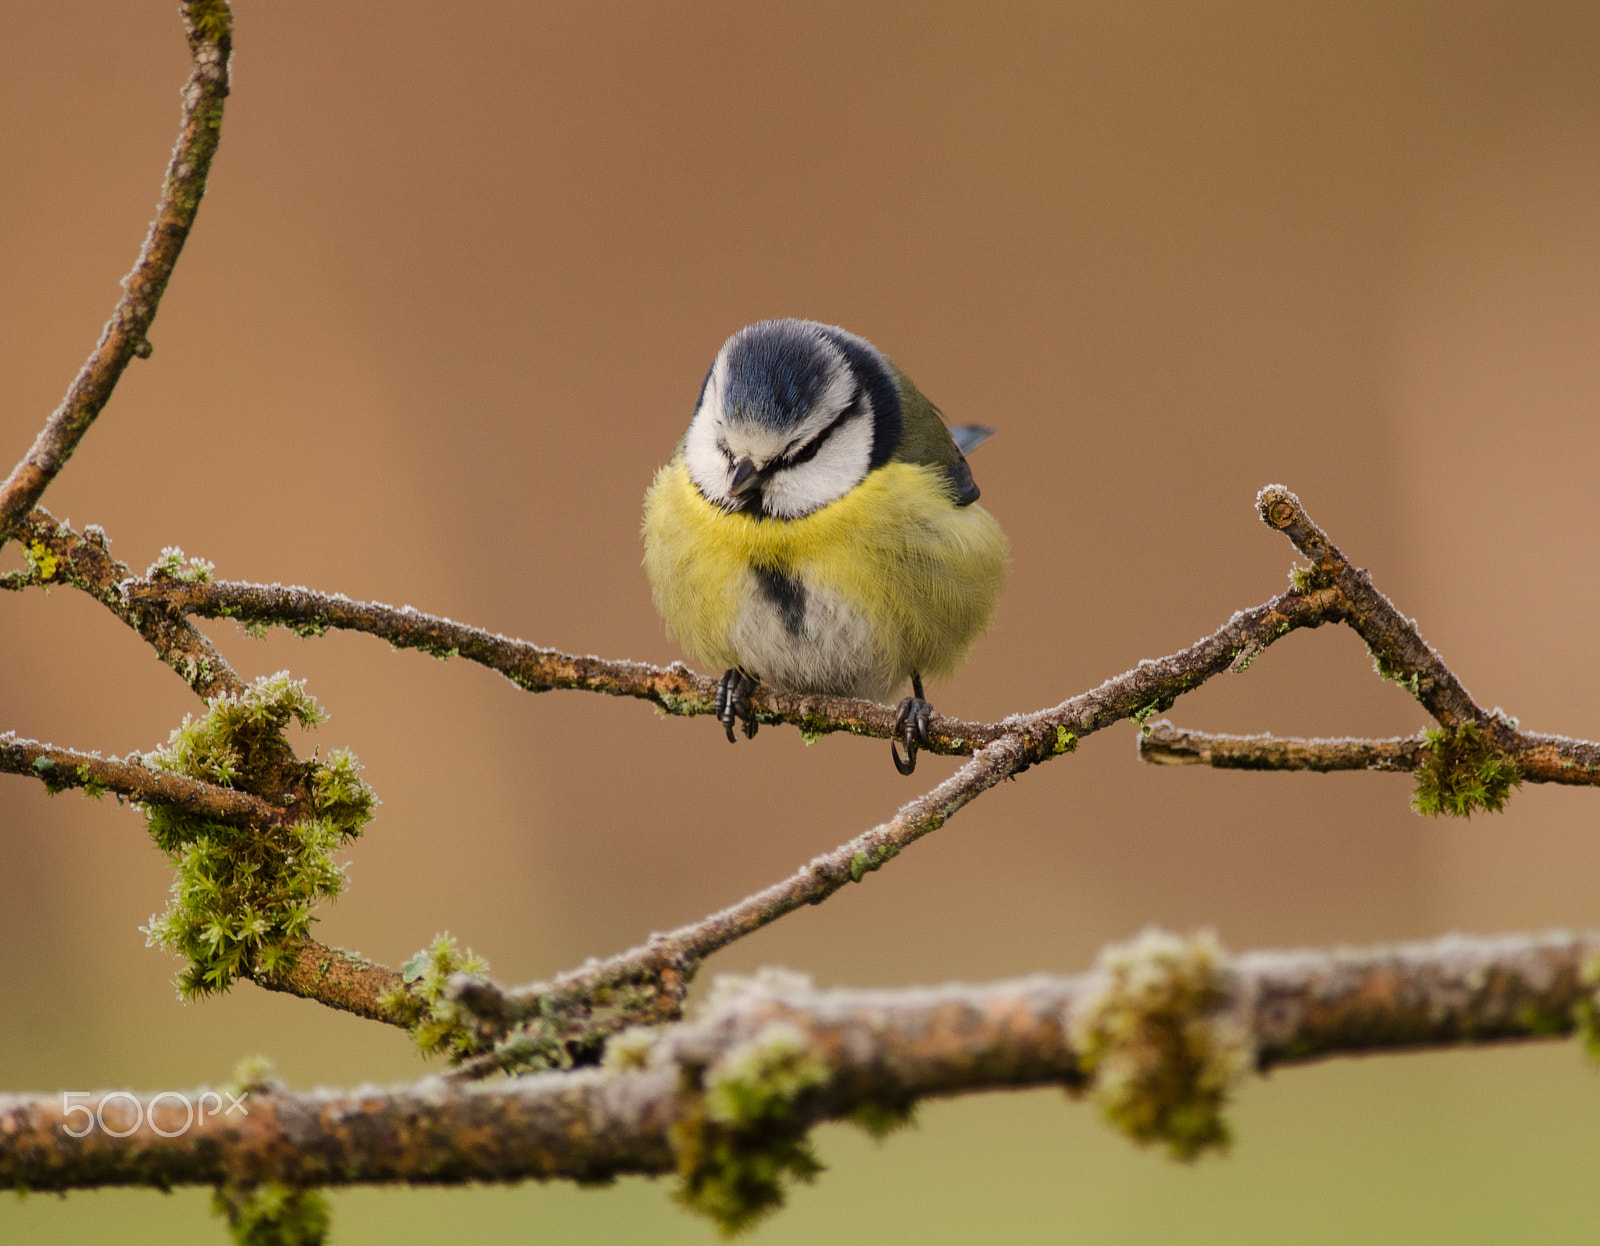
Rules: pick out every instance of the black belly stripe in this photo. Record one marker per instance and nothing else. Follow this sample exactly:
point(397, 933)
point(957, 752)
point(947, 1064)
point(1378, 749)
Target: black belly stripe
point(787, 594)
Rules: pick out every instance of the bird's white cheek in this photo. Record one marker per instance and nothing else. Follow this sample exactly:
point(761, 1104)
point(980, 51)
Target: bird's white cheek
point(839, 467)
point(708, 468)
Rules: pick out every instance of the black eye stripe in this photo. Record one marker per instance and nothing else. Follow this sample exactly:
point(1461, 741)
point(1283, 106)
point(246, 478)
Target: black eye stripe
point(809, 451)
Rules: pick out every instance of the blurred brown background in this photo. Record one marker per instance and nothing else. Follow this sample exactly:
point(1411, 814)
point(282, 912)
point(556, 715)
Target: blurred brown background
point(451, 294)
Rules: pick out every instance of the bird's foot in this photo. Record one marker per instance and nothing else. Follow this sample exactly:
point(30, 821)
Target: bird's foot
point(911, 725)
point(733, 702)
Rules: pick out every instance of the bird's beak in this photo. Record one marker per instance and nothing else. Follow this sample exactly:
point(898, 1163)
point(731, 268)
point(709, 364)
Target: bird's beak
point(744, 478)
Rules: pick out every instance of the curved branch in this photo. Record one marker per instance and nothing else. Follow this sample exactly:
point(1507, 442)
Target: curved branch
point(209, 27)
point(60, 768)
point(1539, 758)
point(866, 1050)
point(568, 1018)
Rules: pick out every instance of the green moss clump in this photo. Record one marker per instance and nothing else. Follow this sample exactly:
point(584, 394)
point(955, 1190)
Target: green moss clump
point(870, 859)
point(1309, 579)
point(92, 788)
point(1387, 670)
point(273, 1214)
point(1462, 774)
point(212, 19)
point(1144, 713)
point(255, 1075)
point(437, 1025)
point(243, 894)
point(742, 1145)
point(173, 565)
point(758, 1082)
point(1158, 1059)
point(882, 1119)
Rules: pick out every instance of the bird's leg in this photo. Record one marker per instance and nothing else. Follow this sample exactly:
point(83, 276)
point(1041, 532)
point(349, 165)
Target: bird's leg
point(911, 725)
point(733, 702)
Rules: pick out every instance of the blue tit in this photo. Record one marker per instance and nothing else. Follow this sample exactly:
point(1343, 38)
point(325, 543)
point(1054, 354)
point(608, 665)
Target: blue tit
point(816, 527)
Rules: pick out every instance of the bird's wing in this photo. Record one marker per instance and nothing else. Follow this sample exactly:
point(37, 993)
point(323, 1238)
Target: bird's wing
point(925, 439)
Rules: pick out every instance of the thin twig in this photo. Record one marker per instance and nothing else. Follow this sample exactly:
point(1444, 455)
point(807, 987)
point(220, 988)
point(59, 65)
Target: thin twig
point(60, 768)
point(209, 27)
point(872, 1049)
point(1539, 758)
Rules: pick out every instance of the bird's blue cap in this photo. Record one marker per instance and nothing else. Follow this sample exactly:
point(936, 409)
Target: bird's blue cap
point(778, 368)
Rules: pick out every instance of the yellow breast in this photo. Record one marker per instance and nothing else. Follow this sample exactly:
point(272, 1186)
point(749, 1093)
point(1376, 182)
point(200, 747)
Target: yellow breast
point(924, 574)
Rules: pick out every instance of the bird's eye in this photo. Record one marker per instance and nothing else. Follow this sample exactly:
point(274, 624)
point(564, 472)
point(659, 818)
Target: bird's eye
point(809, 451)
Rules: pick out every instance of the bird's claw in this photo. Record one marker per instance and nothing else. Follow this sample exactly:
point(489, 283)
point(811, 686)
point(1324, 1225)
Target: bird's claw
point(733, 702)
point(911, 722)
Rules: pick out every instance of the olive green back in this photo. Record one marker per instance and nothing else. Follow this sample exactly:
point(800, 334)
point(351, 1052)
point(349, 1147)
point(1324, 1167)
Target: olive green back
point(925, 439)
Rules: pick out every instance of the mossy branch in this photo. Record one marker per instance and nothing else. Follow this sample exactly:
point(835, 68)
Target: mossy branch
point(1470, 763)
point(62, 768)
point(1159, 1035)
point(209, 27)
point(335, 978)
point(1538, 758)
point(244, 900)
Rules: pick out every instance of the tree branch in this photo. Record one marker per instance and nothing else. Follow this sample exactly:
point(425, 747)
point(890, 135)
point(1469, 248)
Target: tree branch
point(863, 1050)
point(674, 689)
point(679, 691)
point(339, 979)
point(573, 1014)
point(209, 27)
point(1539, 758)
point(60, 768)
point(58, 555)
